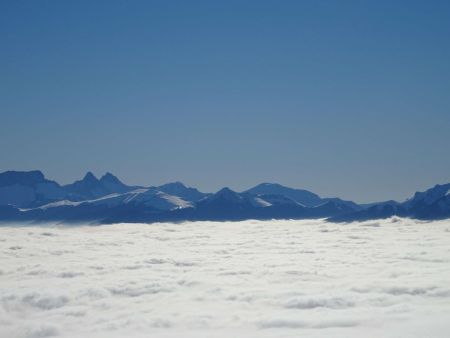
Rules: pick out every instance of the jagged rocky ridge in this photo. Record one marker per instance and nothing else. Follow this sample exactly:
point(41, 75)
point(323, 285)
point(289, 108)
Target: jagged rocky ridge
point(29, 196)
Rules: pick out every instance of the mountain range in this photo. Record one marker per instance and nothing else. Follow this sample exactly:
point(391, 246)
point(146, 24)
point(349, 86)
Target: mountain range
point(29, 196)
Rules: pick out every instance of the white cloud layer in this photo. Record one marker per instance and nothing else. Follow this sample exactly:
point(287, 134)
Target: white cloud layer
point(310, 278)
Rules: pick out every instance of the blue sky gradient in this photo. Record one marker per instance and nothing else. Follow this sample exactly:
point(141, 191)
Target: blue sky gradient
point(344, 98)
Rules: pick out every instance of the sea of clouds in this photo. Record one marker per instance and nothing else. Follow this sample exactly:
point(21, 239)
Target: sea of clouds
point(311, 278)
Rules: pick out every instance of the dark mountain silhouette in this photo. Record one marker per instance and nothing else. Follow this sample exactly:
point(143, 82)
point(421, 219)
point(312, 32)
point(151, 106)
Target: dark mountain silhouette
point(304, 197)
point(112, 184)
point(431, 204)
point(29, 196)
point(90, 187)
point(28, 188)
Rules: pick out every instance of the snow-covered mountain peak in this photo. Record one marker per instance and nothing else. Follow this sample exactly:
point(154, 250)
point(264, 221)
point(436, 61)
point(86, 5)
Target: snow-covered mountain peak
point(429, 196)
point(180, 190)
point(301, 196)
point(176, 184)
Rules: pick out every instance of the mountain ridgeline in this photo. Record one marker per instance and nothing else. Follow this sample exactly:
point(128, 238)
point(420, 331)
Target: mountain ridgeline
point(29, 196)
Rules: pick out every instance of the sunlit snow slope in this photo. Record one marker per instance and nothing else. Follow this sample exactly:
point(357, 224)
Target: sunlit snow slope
point(386, 278)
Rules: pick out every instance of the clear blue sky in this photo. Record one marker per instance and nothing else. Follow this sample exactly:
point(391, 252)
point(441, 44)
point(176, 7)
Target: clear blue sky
point(346, 98)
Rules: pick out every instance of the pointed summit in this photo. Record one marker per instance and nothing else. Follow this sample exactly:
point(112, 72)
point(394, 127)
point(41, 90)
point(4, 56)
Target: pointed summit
point(429, 196)
point(113, 184)
point(108, 177)
point(87, 188)
point(226, 192)
point(226, 195)
point(90, 177)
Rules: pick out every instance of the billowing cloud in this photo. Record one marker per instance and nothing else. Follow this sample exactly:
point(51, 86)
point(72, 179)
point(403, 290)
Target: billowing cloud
point(385, 278)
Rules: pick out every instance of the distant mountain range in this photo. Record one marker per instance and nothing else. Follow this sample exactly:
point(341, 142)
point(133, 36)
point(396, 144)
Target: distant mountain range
point(29, 196)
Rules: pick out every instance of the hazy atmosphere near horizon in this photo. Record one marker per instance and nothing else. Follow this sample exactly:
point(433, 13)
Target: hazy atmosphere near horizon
point(343, 98)
point(225, 169)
